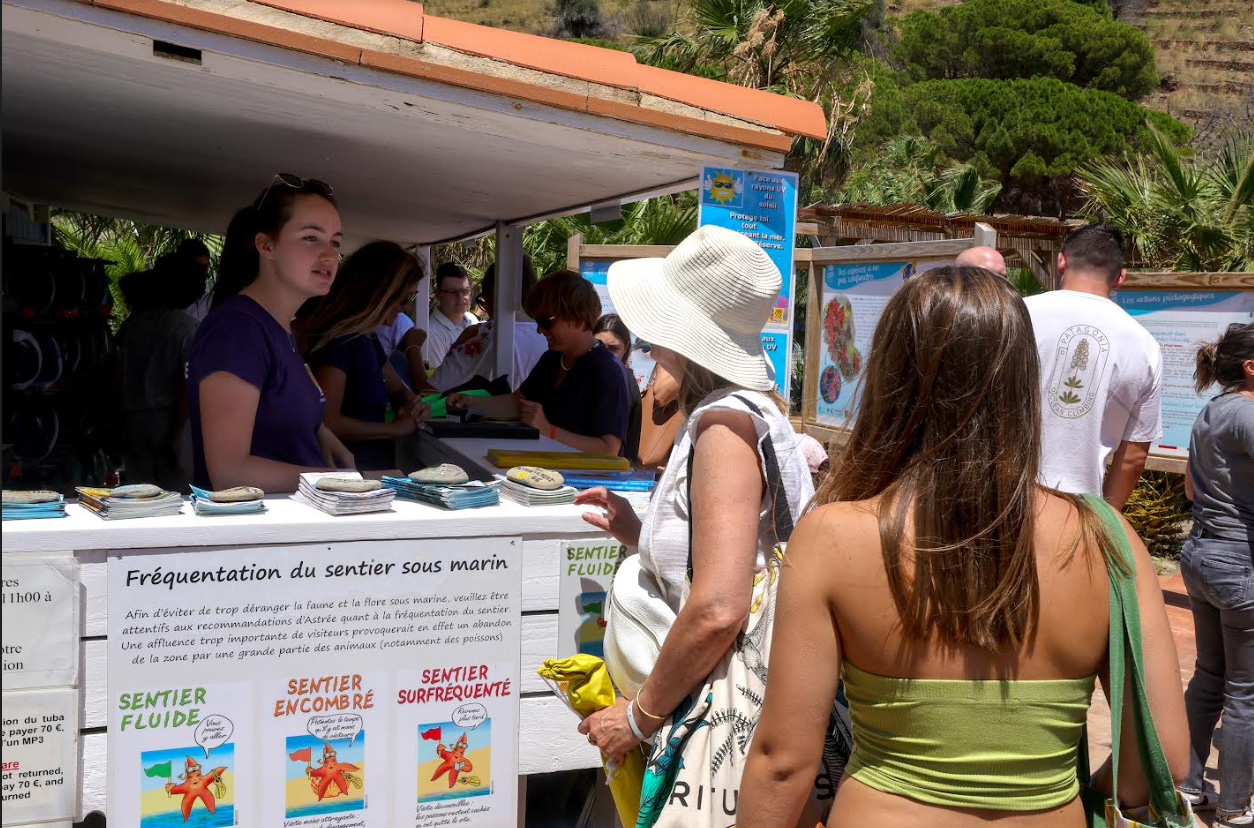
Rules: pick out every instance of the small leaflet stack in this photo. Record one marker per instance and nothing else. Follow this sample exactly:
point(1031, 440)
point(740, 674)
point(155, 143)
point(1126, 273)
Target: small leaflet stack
point(447, 486)
point(343, 493)
point(239, 500)
point(532, 486)
point(138, 500)
point(32, 505)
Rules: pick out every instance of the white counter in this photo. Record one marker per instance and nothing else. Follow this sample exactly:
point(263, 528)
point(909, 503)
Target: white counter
point(548, 740)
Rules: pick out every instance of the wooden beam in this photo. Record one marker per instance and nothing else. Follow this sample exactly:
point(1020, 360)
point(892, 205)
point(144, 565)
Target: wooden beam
point(888, 252)
point(573, 245)
point(624, 251)
point(1190, 281)
point(984, 235)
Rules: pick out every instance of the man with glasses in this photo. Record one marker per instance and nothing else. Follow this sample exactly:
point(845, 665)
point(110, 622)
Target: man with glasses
point(451, 314)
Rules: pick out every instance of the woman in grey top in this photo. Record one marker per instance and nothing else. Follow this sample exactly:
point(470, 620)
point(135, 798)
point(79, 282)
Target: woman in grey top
point(1218, 568)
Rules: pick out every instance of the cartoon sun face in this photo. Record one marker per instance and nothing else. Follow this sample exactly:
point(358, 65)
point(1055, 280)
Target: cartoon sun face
point(722, 187)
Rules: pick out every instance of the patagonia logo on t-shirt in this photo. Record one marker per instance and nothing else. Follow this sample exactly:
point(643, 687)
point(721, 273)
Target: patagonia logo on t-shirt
point(1081, 358)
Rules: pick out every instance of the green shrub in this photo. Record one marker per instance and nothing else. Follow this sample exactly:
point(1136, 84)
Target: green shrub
point(1006, 39)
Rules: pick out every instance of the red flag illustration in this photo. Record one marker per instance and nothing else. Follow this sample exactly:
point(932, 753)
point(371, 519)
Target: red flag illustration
point(434, 734)
point(303, 755)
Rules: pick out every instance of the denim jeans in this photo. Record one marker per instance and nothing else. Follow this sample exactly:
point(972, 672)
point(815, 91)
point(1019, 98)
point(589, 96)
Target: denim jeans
point(1219, 575)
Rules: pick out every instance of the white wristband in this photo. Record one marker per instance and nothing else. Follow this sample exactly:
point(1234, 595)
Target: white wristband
point(631, 722)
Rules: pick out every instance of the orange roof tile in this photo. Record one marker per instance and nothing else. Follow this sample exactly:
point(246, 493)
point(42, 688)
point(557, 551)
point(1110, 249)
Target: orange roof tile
point(792, 115)
point(603, 67)
point(392, 17)
point(561, 57)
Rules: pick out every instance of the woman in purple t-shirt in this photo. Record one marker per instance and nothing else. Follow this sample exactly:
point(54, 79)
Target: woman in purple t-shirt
point(375, 285)
point(255, 408)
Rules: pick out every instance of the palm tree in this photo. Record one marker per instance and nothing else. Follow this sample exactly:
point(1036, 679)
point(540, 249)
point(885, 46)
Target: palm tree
point(1190, 214)
point(791, 47)
point(127, 246)
point(662, 220)
point(909, 169)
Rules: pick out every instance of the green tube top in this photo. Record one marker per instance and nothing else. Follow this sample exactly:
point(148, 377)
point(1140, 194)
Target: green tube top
point(1001, 745)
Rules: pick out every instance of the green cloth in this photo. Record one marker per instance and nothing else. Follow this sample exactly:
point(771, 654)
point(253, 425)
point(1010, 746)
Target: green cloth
point(1002, 745)
point(439, 403)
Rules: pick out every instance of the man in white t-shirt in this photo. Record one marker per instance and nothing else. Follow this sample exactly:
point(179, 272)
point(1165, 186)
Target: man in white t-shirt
point(451, 314)
point(1101, 373)
point(473, 357)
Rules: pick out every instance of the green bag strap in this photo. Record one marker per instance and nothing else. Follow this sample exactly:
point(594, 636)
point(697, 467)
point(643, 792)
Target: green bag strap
point(1126, 659)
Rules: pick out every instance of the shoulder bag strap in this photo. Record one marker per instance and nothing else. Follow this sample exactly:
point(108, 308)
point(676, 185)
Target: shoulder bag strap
point(781, 512)
point(1126, 660)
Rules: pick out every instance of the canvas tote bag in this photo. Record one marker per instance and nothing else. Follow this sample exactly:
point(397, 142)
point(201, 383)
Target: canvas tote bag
point(1167, 809)
point(692, 778)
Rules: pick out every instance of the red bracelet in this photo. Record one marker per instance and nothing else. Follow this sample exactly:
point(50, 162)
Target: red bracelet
point(552, 432)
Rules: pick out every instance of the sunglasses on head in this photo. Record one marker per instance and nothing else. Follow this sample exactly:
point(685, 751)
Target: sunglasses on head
point(295, 182)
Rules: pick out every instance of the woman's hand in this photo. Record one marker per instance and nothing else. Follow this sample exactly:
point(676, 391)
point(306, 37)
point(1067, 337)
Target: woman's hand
point(532, 414)
point(609, 731)
point(620, 520)
point(415, 409)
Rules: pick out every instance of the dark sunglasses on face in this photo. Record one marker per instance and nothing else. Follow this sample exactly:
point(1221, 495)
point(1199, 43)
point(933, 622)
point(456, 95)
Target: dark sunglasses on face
point(295, 182)
point(546, 323)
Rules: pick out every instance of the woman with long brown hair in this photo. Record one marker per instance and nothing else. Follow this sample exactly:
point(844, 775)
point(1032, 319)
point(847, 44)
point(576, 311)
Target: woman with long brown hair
point(375, 285)
point(965, 605)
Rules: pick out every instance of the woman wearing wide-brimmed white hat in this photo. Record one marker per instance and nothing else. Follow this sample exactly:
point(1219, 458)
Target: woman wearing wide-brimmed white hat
point(702, 309)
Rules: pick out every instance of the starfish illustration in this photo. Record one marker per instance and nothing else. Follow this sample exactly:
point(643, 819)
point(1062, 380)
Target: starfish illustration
point(331, 770)
point(195, 786)
point(455, 761)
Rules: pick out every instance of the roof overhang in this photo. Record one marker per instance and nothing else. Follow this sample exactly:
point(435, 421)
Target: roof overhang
point(424, 141)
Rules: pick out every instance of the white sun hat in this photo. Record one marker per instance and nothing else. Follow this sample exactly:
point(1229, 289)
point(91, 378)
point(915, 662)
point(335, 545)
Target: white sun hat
point(707, 301)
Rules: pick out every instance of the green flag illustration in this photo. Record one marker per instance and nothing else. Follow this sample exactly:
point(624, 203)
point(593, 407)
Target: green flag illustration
point(159, 770)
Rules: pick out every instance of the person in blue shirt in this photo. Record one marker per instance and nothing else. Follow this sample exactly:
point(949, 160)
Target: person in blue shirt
point(374, 287)
point(578, 392)
point(255, 409)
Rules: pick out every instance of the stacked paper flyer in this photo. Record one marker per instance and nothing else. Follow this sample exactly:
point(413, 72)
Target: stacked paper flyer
point(471, 495)
point(528, 496)
point(140, 500)
point(214, 503)
point(32, 505)
point(343, 493)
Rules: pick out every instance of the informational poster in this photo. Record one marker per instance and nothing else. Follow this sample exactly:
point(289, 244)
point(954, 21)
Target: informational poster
point(41, 625)
point(761, 204)
point(1181, 320)
point(854, 297)
point(596, 271)
point(351, 685)
point(588, 567)
point(40, 777)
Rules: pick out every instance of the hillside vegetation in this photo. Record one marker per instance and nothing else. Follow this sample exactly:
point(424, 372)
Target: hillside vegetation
point(1203, 49)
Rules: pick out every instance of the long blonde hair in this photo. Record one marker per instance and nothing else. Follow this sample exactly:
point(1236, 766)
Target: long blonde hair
point(368, 285)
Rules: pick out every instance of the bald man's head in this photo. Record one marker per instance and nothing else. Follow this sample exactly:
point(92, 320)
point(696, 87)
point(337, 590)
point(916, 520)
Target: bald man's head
point(985, 257)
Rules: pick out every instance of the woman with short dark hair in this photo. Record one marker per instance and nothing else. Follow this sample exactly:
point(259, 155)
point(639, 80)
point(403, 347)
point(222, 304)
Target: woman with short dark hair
point(577, 394)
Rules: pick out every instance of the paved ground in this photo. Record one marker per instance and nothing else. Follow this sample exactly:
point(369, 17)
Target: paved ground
point(1181, 619)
